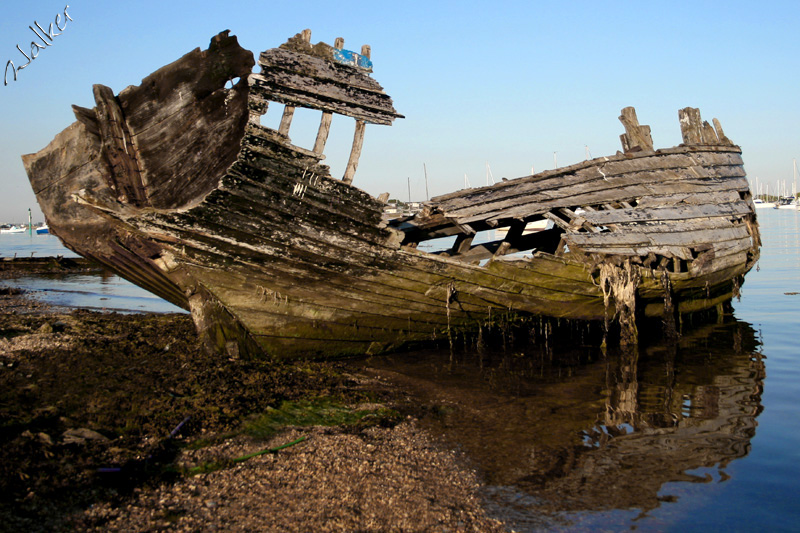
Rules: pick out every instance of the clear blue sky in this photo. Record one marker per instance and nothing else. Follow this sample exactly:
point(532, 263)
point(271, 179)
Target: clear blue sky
point(507, 83)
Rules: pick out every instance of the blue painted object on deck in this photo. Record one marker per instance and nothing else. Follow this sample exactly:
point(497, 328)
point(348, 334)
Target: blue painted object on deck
point(350, 58)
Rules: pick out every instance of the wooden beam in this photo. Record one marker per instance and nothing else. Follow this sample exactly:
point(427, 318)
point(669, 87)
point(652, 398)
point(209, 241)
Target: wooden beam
point(557, 220)
point(691, 125)
point(515, 231)
point(355, 153)
point(723, 139)
point(286, 120)
point(256, 109)
point(462, 244)
point(671, 213)
point(322, 133)
point(313, 82)
point(503, 249)
point(636, 138)
point(118, 147)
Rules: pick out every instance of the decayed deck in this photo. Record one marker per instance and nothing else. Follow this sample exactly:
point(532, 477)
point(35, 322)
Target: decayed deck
point(177, 186)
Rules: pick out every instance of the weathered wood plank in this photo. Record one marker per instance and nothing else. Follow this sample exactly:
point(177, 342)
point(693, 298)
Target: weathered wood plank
point(572, 185)
point(286, 120)
point(624, 191)
point(118, 148)
point(355, 152)
point(696, 198)
point(611, 239)
point(262, 90)
point(499, 295)
point(87, 117)
point(322, 69)
point(256, 292)
point(502, 286)
point(639, 214)
point(296, 261)
point(662, 161)
point(322, 133)
point(636, 138)
point(185, 125)
point(676, 226)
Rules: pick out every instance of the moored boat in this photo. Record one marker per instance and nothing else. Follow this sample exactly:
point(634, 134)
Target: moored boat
point(761, 204)
point(175, 185)
point(13, 229)
point(786, 202)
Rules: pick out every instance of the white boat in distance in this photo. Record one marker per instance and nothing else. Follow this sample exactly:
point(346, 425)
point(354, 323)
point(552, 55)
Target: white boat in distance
point(13, 229)
point(786, 202)
point(790, 201)
point(760, 204)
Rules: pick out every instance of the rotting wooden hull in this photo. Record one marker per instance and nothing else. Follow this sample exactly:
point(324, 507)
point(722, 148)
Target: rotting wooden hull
point(176, 186)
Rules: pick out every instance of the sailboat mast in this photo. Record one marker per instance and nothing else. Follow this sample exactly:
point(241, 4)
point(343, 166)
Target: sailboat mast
point(427, 194)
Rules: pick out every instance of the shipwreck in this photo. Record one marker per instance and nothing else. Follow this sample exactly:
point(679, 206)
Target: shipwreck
point(176, 185)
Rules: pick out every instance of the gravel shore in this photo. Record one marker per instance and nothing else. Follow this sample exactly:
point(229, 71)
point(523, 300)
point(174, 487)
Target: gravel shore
point(120, 423)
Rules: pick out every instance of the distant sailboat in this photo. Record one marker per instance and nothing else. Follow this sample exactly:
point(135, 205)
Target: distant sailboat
point(759, 200)
point(786, 201)
point(759, 203)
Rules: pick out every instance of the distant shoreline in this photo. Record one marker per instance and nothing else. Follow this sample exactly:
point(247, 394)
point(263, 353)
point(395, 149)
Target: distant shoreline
point(10, 266)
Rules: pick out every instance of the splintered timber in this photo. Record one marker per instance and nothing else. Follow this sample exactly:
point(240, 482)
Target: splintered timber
point(177, 186)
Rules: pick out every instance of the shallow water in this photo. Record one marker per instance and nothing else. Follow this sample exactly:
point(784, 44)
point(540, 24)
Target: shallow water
point(101, 292)
point(32, 245)
point(699, 435)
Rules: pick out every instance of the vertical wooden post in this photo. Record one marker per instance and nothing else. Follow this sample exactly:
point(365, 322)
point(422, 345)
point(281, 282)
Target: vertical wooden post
point(636, 137)
point(286, 120)
point(690, 125)
point(462, 244)
point(338, 43)
point(355, 153)
point(256, 110)
point(721, 134)
point(306, 34)
point(366, 50)
point(322, 133)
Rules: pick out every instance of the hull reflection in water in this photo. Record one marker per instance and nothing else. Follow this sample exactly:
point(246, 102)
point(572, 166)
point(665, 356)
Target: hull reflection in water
point(569, 430)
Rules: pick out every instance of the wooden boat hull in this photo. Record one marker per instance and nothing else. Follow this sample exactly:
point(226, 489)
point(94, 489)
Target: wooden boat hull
point(176, 186)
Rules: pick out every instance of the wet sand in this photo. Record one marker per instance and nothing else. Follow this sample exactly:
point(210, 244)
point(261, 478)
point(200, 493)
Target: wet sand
point(120, 422)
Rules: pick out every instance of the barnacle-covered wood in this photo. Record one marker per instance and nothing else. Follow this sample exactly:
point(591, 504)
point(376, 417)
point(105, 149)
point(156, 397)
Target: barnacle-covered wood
point(175, 185)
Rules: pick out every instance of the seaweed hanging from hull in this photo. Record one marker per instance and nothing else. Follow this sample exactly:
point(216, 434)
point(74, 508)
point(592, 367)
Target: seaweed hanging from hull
point(620, 283)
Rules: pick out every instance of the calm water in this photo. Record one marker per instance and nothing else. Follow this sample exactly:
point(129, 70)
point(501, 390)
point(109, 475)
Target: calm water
point(105, 292)
point(700, 435)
